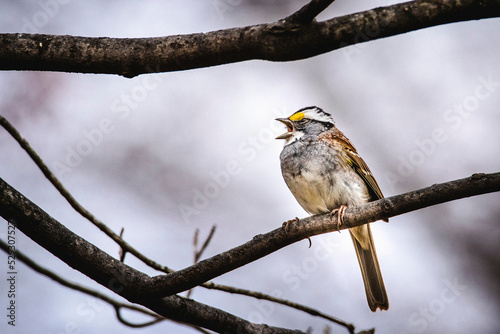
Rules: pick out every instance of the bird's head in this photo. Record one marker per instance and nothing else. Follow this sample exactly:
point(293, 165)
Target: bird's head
point(306, 121)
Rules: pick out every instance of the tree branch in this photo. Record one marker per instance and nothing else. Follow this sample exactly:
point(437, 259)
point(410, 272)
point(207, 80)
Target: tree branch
point(140, 288)
point(116, 304)
point(274, 41)
point(125, 247)
point(110, 272)
point(307, 13)
point(199, 252)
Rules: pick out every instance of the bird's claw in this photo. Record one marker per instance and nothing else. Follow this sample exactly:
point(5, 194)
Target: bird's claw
point(288, 222)
point(340, 215)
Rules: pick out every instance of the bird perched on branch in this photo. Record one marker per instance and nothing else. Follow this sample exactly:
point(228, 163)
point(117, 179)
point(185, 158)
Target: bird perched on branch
point(325, 173)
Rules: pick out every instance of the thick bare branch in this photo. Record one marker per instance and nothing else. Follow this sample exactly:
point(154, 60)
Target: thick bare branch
point(110, 272)
point(74, 286)
point(276, 41)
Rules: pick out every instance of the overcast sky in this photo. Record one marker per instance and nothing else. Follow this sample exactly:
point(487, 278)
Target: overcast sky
point(164, 154)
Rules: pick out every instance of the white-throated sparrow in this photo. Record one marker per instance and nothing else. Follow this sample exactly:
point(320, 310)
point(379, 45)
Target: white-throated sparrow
point(325, 174)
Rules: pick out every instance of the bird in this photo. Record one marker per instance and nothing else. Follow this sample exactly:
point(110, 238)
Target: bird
point(325, 174)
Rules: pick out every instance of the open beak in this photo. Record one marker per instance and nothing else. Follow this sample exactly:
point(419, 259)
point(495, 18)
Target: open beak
point(289, 126)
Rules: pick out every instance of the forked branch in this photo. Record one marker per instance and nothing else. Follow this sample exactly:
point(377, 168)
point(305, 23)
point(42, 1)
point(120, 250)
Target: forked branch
point(147, 291)
point(125, 247)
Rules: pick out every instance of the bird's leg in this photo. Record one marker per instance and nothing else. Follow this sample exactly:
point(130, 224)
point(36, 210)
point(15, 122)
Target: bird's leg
point(340, 215)
point(288, 222)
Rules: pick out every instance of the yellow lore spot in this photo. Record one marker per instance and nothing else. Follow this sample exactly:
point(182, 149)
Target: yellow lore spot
point(297, 116)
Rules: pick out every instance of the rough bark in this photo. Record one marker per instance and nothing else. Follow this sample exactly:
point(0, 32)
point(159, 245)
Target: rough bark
point(295, 37)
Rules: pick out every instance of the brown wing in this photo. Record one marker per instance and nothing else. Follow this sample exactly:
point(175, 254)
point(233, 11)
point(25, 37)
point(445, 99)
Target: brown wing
point(362, 169)
point(361, 235)
point(356, 162)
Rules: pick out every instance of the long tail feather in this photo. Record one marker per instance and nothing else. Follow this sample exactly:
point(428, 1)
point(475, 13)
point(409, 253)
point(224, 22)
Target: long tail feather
point(370, 269)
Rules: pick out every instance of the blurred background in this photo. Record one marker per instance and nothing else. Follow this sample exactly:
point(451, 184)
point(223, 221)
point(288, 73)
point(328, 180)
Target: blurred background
point(164, 154)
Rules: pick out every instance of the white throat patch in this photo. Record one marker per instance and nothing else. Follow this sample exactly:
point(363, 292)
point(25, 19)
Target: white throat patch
point(295, 136)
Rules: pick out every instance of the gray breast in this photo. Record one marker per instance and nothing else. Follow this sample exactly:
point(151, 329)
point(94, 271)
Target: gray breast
point(319, 183)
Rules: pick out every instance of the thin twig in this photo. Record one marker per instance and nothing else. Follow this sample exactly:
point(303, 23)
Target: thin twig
point(134, 325)
point(205, 245)
point(122, 252)
point(116, 304)
point(259, 295)
point(126, 247)
point(198, 253)
point(195, 244)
